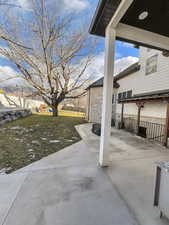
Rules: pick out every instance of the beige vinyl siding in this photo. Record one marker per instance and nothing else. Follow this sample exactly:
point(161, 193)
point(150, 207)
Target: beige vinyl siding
point(96, 95)
point(140, 83)
point(154, 81)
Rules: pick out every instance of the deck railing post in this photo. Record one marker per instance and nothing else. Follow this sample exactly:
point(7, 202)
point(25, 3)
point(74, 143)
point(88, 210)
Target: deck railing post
point(122, 116)
point(140, 105)
point(107, 97)
point(166, 132)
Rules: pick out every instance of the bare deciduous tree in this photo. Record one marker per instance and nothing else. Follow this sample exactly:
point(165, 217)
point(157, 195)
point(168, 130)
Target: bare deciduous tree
point(50, 52)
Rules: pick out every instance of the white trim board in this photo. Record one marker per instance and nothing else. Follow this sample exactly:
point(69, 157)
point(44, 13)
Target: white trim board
point(148, 38)
point(121, 10)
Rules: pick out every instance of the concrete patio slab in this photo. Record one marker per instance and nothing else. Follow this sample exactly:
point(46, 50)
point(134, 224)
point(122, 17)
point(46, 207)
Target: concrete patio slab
point(69, 196)
point(9, 188)
point(132, 170)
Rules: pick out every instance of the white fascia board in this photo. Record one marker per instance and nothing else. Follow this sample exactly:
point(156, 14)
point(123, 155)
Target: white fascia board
point(121, 10)
point(141, 36)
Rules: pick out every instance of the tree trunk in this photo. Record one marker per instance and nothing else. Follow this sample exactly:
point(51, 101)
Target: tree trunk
point(55, 110)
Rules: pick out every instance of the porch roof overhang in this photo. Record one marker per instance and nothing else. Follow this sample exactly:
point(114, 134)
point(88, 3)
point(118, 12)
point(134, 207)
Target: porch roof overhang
point(138, 22)
point(148, 97)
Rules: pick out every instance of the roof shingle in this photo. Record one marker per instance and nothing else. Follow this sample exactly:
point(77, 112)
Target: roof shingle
point(129, 70)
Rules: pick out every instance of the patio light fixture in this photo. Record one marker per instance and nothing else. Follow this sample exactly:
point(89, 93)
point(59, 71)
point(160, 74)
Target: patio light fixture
point(143, 15)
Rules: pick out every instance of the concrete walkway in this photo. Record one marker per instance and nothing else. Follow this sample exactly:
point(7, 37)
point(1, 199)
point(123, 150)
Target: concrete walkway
point(68, 188)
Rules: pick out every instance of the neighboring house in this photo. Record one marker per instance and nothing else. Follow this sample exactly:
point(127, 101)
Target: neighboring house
point(95, 94)
point(140, 95)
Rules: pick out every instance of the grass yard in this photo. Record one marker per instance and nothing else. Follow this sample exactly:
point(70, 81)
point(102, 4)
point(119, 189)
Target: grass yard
point(30, 139)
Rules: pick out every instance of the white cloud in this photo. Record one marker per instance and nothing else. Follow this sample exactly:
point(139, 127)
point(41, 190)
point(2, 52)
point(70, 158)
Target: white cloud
point(118, 55)
point(123, 63)
point(7, 72)
point(96, 69)
point(128, 45)
point(76, 4)
point(125, 44)
point(9, 77)
point(23, 3)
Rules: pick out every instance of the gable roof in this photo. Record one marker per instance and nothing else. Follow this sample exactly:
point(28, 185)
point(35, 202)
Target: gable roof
point(129, 70)
point(99, 83)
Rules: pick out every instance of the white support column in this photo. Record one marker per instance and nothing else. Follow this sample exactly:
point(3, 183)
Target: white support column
point(107, 97)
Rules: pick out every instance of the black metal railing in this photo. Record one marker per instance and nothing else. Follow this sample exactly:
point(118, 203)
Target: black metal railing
point(130, 125)
point(150, 130)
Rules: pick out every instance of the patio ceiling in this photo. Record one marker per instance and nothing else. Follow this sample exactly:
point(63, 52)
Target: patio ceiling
point(145, 15)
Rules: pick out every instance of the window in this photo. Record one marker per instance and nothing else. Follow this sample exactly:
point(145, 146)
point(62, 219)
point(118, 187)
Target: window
point(119, 96)
point(124, 95)
point(151, 64)
point(113, 99)
point(129, 94)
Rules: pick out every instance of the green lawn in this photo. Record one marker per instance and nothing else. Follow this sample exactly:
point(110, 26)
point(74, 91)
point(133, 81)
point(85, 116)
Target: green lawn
point(30, 139)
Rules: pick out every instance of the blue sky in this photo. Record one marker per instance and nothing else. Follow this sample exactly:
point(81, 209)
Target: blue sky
point(125, 54)
point(124, 49)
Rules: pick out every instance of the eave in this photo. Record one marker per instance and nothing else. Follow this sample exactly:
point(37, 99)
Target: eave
point(154, 29)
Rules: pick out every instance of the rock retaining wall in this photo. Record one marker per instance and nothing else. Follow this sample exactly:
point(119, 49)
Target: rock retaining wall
point(8, 115)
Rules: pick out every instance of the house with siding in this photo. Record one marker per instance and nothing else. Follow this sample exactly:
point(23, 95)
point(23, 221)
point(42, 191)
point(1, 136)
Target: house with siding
point(139, 97)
